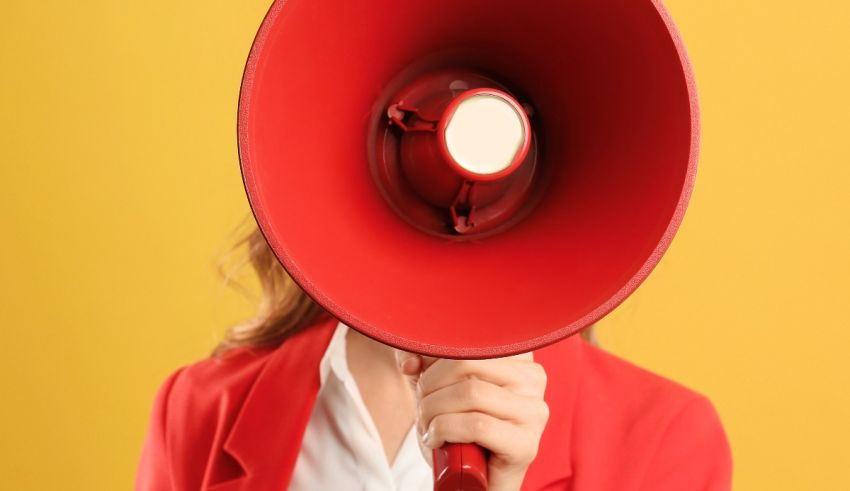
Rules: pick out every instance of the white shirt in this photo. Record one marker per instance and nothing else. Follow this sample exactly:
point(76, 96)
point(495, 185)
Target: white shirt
point(342, 448)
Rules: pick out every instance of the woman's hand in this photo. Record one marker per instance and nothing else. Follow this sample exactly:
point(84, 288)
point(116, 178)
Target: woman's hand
point(496, 403)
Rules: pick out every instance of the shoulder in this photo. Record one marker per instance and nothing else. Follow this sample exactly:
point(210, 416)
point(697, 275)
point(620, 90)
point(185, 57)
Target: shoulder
point(217, 386)
point(199, 403)
point(194, 388)
point(231, 374)
point(189, 411)
point(610, 381)
point(198, 384)
point(197, 406)
point(663, 431)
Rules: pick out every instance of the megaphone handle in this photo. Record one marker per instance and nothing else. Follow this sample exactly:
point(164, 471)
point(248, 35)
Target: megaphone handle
point(460, 466)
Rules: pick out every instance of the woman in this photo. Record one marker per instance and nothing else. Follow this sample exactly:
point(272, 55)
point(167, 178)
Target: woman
point(296, 400)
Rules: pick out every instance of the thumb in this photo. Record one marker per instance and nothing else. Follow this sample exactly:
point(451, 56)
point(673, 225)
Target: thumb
point(409, 364)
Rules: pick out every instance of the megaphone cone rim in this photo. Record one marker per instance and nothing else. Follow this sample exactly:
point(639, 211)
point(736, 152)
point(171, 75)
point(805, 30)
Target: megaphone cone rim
point(460, 352)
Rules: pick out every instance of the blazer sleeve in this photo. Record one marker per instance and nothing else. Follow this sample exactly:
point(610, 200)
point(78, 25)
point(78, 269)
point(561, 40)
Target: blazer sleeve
point(693, 454)
point(154, 471)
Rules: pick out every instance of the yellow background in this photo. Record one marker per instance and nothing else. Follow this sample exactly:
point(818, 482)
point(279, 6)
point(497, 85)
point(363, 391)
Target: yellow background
point(120, 186)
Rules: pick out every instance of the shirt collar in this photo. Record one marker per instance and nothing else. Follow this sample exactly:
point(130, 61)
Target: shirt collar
point(334, 359)
point(260, 440)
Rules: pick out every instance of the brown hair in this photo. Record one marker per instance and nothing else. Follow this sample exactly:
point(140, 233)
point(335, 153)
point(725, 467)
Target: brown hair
point(284, 307)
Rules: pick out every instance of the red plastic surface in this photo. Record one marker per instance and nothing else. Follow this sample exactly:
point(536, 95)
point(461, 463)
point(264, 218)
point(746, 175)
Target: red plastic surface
point(460, 466)
point(616, 121)
point(420, 180)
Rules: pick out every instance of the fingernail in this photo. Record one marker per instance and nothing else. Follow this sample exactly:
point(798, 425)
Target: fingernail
point(426, 438)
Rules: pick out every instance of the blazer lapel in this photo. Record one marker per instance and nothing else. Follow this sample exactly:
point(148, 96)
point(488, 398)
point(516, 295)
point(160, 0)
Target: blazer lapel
point(553, 465)
point(277, 409)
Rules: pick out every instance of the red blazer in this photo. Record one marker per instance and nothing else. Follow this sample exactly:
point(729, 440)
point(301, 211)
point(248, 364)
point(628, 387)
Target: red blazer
point(236, 423)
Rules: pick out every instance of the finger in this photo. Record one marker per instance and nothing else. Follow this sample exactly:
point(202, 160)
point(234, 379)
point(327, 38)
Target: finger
point(427, 361)
point(409, 363)
point(511, 442)
point(413, 363)
point(521, 376)
point(480, 396)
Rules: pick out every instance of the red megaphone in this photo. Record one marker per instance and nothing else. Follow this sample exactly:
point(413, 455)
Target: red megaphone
point(468, 179)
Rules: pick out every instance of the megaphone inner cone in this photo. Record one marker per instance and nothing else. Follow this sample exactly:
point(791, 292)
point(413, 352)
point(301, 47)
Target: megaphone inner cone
point(455, 154)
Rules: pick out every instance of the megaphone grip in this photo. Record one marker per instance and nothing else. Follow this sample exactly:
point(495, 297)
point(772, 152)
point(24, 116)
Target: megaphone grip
point(460, 466)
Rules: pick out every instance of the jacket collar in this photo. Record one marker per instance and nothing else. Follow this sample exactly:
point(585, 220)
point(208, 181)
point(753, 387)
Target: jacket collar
point(277, 409)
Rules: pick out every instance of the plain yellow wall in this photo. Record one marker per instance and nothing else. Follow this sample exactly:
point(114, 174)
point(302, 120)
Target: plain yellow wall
point(120, 185)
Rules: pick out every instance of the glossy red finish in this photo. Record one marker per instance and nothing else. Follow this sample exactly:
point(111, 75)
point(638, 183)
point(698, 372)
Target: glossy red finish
point(460, 466)
point(615, 119)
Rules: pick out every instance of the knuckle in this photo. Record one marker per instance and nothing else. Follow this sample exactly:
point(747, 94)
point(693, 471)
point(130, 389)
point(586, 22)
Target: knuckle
point(527, 356)
point(466, 368)
point(529, 453)
point(437, 426)
point(522, 455)
point(538, 375)
point(471, 391)
point(479, 426)
point(543, 412)
point(526, 451)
